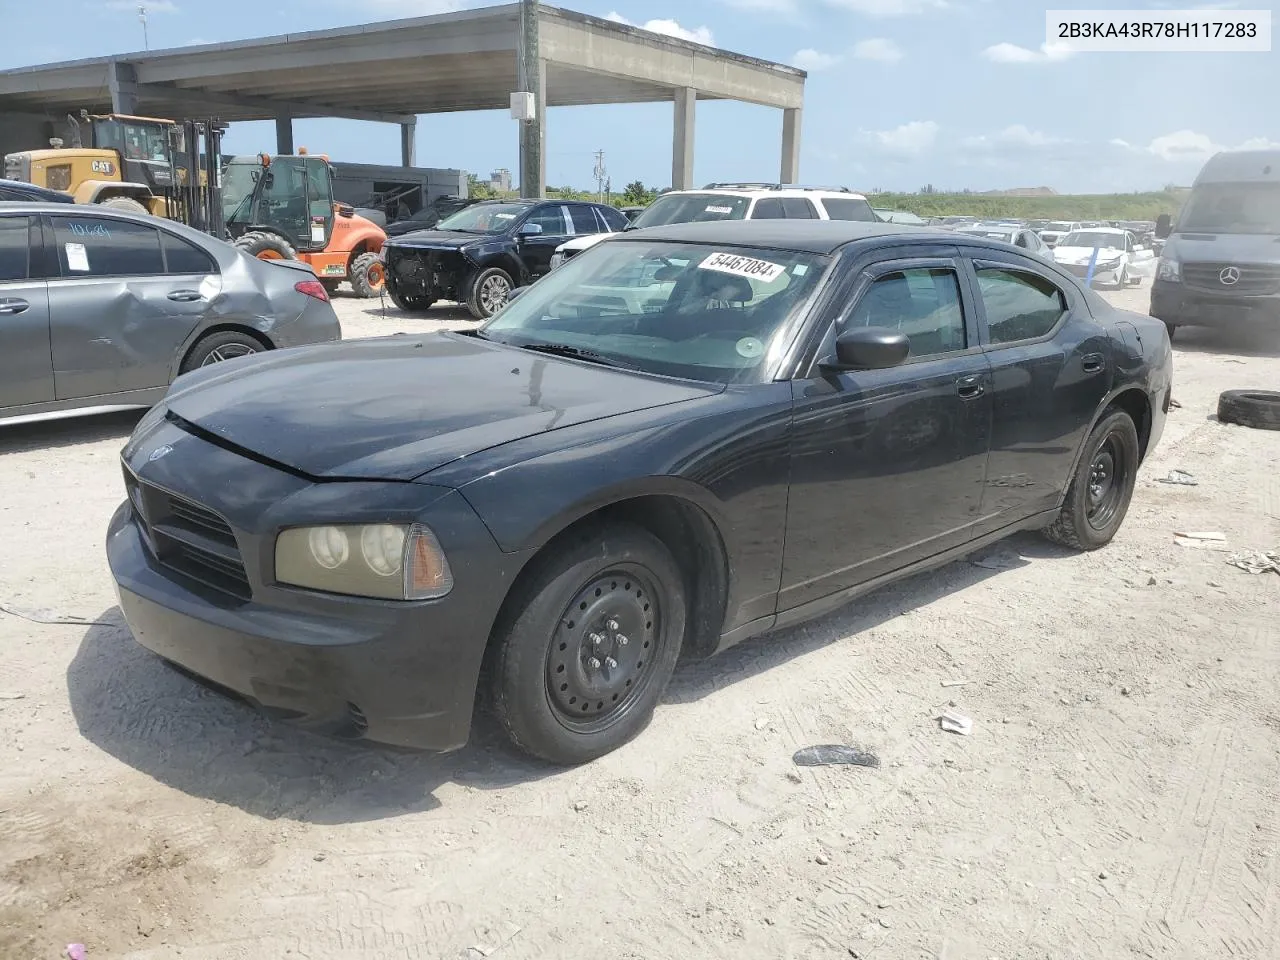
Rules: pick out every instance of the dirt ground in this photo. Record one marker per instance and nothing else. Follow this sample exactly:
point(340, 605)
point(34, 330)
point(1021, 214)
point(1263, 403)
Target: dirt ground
point(1119, 795)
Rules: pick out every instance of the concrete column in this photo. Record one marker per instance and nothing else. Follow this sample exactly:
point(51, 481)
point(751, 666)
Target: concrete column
point(409, 143)
point(790, 145)
point(122, 81)
point(531, 77)
point(686, 102)
point(284, 134)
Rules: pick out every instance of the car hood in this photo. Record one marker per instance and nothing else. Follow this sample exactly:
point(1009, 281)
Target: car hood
point(1224, 247)
point(1082, 254)
point(581, 243)
point(437, 239)
point(395, 408)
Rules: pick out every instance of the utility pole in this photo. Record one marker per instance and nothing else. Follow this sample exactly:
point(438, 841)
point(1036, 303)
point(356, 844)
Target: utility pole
point(142, 18)
point(600, 174)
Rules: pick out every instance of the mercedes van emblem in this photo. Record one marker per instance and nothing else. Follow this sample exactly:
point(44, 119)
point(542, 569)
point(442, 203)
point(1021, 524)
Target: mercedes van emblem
point(1229, 276)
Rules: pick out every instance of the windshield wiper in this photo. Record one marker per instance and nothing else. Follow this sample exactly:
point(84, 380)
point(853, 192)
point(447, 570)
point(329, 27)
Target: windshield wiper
point(578, 353)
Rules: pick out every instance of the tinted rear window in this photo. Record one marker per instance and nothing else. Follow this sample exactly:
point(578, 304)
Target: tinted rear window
point(183, 257)
point(848, 208)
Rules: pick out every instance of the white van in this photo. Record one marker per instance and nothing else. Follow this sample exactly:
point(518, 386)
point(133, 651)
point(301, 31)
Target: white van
point(1220, 265)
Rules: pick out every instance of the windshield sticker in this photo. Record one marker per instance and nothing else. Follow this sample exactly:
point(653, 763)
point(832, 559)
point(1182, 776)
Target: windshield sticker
point(741, 266)
point(750, 347)
point(800, 269)
point(504, 216)
point(317, 232)
point(719, 210)
point(77, 258)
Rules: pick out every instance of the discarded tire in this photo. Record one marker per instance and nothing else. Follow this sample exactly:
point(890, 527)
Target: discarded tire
point(1259, 409)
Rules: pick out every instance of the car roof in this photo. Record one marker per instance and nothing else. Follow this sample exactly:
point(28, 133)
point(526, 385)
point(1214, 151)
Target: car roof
point(810, 236)
point(761, 192)
point(110, 213)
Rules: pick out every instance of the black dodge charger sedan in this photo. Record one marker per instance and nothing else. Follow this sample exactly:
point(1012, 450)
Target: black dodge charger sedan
point(684, 437)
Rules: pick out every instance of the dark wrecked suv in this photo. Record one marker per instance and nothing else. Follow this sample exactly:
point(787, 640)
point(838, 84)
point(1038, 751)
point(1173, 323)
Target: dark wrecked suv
point(480, 254)
point(686, 436)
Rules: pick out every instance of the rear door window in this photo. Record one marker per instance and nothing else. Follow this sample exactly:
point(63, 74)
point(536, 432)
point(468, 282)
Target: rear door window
point(770, 208)
point(1020, 305)
point(98, 247)
point(183, 257)
point(849, 208)
point(15, 248)
point(584, 219)
point(798, 208)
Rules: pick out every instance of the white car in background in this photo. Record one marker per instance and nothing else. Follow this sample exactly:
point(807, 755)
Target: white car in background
point(1016, 235)
point(1057, 229)
point(1120, 260)
point(737, 201)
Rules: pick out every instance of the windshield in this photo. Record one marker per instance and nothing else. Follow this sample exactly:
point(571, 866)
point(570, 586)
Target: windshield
point(237, 187)
point(691, 208)
point(1232, 208)
point(1058, 226)
point(1093, 238)
point(484, 218)
point(701, 312)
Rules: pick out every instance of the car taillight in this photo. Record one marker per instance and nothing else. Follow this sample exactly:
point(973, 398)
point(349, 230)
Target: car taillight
point(312, 288)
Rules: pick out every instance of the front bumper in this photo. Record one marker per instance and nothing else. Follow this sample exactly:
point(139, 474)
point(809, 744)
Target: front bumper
point(1180, 306)
point(1110, 273)
point(436, 274)
point(401, 673)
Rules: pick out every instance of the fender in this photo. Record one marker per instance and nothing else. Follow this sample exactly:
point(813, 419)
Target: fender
point(1097, 416)
point(90, 190)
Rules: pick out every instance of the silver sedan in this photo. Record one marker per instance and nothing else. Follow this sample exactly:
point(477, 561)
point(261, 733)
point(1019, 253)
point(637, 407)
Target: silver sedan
point(101, 309)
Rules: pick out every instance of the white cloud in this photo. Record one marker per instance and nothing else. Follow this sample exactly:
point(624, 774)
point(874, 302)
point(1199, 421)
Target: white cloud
point(1012, 53)
point(877, 48)
point(889, 8)
point(153, 6)
point(1122, 144)
point(909, 139)
point(1187, 146)
point(813, 61)
point(669, 28)
point(1015, 137)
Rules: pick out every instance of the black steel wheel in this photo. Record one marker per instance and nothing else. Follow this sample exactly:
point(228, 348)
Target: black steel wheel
point(1098, 497)
point(584, 652)
point(601, 659)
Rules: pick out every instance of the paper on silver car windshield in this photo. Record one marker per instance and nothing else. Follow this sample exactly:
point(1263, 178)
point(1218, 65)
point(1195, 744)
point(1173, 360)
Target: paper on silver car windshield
point(741, 266)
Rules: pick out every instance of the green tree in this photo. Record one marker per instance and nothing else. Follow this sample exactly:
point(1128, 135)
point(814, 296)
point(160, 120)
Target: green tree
point(478, 190)
point(636, 194)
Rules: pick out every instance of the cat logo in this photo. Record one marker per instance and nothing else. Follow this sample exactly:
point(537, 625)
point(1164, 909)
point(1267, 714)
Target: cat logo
point(104, 167)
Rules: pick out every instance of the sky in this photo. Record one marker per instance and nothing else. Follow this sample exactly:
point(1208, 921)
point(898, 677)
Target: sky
point(901, 93)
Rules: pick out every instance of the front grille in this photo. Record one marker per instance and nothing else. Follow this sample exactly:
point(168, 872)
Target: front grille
point(1255, 279)
point(187, 539)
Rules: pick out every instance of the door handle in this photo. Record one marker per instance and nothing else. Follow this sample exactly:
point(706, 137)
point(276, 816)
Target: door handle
point(970, 387)
point(185, 296)
point(1092, 362)
point(12, 305)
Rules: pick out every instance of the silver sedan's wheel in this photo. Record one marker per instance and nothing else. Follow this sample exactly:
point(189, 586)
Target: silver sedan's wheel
point(220, 346)
point(229, 352)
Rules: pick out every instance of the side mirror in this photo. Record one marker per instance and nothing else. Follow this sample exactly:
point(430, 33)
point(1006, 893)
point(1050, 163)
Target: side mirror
point(869, 348)
point(516, 292)
point(1164, 226)
point(529, 229)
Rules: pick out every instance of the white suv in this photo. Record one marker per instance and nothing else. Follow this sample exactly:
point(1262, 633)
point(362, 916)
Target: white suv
point(737, 201)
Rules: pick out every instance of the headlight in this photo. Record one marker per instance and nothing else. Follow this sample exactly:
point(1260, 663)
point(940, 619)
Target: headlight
point(1169, 269)
point(556, 260)
point(383, 560)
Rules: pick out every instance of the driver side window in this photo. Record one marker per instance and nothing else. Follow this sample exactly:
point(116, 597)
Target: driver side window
point(924, 303)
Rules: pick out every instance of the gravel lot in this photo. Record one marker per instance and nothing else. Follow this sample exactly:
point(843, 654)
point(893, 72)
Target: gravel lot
point(1119, 796)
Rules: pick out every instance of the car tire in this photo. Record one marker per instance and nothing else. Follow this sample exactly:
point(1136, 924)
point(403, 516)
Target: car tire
point(125, 204)
point(488, 291)
point(219, 346)
point(581, 657)
point(266, 245)
point(1259, 409)
point(407, 302)
point(368, 276)
point(1099, 494)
